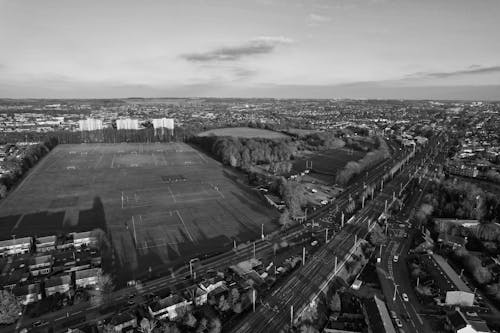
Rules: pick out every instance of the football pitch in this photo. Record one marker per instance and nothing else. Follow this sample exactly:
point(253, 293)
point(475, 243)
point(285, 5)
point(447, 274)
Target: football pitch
point(160, 204)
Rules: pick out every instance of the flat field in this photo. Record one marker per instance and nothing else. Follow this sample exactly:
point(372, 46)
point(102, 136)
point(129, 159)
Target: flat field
point(326, 164)
point(160, 204)
point(245, 132)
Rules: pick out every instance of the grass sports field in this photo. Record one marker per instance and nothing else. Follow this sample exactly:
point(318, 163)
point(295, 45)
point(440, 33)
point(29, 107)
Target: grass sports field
point(161, 204)
point(245, 132)
point(326, 164)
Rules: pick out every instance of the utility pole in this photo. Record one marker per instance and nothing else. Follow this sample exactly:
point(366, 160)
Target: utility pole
point(253, 299)
point(262, 231)
point(291, 315)
point(234, 244)
point(254, 250)
point(342, 219)
point(335, 270)
point(418, 281)
point(385, 209)
point(303, 255)
point(326, 235)
point(135, 235)
point(363, 201)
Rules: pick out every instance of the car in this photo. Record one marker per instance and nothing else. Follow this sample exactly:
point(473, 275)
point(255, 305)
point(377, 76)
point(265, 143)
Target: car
point(131, 302)
point(393, 315)
point(396, 258)
point(398, 322)
point(39, 323)
point(405, 297)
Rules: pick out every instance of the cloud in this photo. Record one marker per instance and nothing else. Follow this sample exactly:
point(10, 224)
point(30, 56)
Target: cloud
point(316, 19)
point(471, 70)
point(259, 45)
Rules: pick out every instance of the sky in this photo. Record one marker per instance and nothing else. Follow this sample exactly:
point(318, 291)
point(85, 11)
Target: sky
point(428, 49)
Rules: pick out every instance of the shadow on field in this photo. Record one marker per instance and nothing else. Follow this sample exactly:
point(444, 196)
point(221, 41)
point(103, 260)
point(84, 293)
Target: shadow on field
point(163, 259)
point(50, 222)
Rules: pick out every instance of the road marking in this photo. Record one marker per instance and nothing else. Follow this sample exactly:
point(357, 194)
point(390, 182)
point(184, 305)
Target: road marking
point(60, 318)
point(77, 312)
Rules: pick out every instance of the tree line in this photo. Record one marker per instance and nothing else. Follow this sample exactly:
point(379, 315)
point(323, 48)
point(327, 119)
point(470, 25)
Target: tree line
point(371, 159)
point(19, 165)
point(243, 153)
point(463, 200)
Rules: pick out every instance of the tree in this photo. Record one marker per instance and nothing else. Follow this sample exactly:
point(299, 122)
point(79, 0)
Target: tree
point(215, 326)
point(190, 320)
point(335, 303)
point(284, 219)
point(148, 326)
point(235, 296)
point(10, 307)
point(224, 304)
point(377, 236)
point(102, 290)
point(202, 325)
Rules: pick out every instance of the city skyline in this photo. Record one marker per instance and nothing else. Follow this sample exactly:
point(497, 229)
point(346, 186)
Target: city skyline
point(318, 49)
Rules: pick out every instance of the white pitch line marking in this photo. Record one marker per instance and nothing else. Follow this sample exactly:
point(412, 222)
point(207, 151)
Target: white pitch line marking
point(171, 193)
point(185, 226)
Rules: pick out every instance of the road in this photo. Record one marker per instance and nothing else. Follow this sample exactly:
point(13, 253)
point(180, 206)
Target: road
point(305, 284)
point(393, 273)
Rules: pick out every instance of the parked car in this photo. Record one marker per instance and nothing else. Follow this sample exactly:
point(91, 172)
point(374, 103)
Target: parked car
point(393, 315)
point(405, 297)
point(395, 259)
point(398, 322)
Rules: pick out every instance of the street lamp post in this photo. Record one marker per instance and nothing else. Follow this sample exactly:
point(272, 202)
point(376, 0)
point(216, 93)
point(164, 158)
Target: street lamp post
point(191, 266)
point(395, 290)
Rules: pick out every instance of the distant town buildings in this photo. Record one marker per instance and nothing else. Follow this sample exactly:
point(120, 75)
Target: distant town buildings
point(127, 124)
point(90, 124)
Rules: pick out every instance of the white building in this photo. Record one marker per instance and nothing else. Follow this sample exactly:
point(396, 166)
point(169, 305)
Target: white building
point(167, 123)
point(127, 124)
point(90, 124)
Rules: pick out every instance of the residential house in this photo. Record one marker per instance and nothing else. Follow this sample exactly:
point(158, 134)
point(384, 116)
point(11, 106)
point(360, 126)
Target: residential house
point(457, 322)
point(45, 244)
point(124, 322)
point(87, 277)
point(15, 246)
point(29, 293)
point(168, 307)
point(212, 284)
point(200, 296)
point(63, 261)
point(15, 277)
point(85, 238)
point(57, 284)
point(40, 265)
